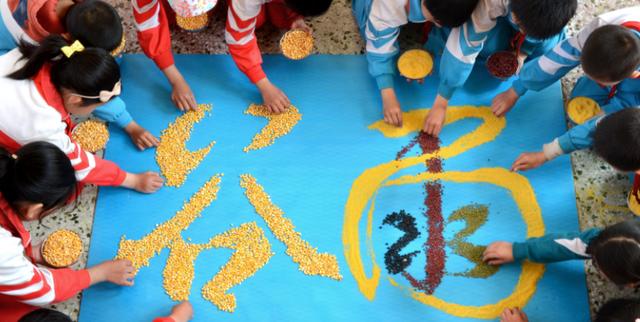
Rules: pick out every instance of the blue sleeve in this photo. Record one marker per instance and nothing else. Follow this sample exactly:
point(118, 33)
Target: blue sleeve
point(545, 70)
point(555, 247)
point(381, 67)
point(114, 111)
point(579, 137)
point(463, 47)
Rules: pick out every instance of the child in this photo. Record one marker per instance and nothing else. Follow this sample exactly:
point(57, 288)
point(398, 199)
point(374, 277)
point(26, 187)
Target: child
point(618, 310)
point(608, 49)
point(614, 251)
point(244, 16)
point(94, 23)
point(380, 21)
point(614, 138)
point(45, 84)
point(35, 181)
point(182, 312)
point(152, 23)
point(538, 25)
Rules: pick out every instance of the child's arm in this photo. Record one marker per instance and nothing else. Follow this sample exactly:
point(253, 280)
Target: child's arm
point(115, 111)
point(33, 285)
point(463, 47)
point(547, 249)
point(155, 39)
point(577, 138)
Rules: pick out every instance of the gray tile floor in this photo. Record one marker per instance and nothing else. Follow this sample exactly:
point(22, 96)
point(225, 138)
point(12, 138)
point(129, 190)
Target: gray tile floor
point(600, 191)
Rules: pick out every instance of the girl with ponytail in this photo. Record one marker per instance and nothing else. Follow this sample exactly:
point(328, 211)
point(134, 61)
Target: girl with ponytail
point(43, 85)
point(34, 181)
point(94, 23)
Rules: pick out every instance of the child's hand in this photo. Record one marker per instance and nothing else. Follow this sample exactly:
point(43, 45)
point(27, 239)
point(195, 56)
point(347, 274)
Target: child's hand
point(436, 117)
point(299, 24)
point(142, 138)
point(181, 95)
point(182, 312)
point(36, 251)
point(273, 98)
point(120, 272)
point(513, 315)
point(391, 108)
point(498, 253)
point(528, 161)
point(504, 102)
point(148, 182)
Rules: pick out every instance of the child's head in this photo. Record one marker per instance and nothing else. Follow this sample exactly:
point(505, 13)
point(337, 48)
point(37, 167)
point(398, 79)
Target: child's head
point(309, 8)
point(611, 54)
point(619, 310)
point(616, 253)
point(86, 78)
point(95, 23)
point(450, 13)
point(542, 19)
point(45, 315)
point(617, 139)
point(37, 179)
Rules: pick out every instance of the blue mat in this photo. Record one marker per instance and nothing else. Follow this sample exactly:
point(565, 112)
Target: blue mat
point(310, 174)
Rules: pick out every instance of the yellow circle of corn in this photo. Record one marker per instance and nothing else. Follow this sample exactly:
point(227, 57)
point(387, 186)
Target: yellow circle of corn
point(581, 109)
point(91, 135)
point(634, 206)
point(296, 44)
point(62, 248)
point(415, 64)
point(194, 23)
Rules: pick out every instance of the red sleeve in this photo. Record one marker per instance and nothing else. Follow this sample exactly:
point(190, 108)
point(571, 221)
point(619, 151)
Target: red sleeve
point(153, 31)
point(95, 170)
point(164, 319)
point(243, 46)
point(69, 282)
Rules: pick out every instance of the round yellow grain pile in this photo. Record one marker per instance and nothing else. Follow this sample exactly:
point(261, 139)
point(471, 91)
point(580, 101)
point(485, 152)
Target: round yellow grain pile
point(581, 109)
point(633, 204)
point(296, 44)
point(91, 135)
point(194, 23)
point(118, 50)
point(415, 64)
point(62, 248)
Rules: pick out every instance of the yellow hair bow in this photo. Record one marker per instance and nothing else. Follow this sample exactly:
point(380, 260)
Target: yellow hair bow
point(76, 47)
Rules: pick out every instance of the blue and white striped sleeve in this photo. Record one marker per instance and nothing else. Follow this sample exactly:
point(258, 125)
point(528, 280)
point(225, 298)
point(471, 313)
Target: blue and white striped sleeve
point(555, 247)
point(577, 138)
point(465, 44)
point(545, 70)
point(382, 48)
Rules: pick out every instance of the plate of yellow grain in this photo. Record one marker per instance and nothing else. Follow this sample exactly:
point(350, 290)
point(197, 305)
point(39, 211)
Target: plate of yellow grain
point(415, 64)
point(582, 109)
point(296, 44)
point(193, 23)
point(91, 135)
point(62, 248)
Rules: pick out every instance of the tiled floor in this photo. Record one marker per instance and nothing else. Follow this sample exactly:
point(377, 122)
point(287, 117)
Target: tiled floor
point(600, 191)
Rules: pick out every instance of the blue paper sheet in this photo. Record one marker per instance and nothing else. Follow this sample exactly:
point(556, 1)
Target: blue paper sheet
point(309, 174)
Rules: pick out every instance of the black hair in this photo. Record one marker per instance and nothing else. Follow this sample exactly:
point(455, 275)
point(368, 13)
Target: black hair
point(309, 8)
point(39, 173)
point(611, 53)
point(451, 13)
point(617, 139)
point(95, 23)
point(616, 252)
point(542, 19)
point(85, 73)
point(45, 315)
point(619, 310)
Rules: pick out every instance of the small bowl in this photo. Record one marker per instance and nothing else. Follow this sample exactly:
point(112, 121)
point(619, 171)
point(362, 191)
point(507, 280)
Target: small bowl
point(502, 65)
point(91, 135)
point(415, 64)
point(581, 109)
point(194, 23)
point(62, 248)
point(296, 44)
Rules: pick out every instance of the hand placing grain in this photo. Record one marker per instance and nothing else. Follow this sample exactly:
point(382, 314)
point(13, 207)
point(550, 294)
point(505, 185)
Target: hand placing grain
point(498, 253)
point(120, 272)
point(148, 182)
point(504, 102)
point(528, 161)
point(140, 137)
point(274, 99)
point(391, 107)
point(513, 315)
point(435, 119)
point(181, 95)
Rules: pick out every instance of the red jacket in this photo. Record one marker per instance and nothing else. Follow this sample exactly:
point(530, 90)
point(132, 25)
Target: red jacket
point(35, 19)
point(150, 17)
point(24, 286)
